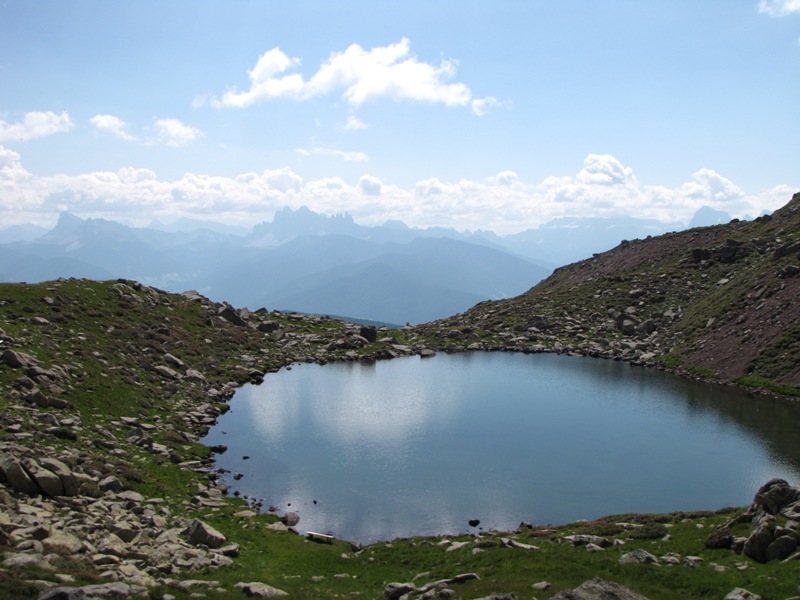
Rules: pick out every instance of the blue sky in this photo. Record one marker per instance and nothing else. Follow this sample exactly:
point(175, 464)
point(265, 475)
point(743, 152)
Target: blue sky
point(471, 114)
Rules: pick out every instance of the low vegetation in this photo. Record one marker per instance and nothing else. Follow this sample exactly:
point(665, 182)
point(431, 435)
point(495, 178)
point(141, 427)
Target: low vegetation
point(119, 381)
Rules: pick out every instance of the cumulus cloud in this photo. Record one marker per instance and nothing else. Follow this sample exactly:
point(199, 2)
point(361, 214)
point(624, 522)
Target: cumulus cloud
point(171, 132)
point(359, 75)
point(370, 186)
point(113, 125)
point(602, 187)
point(35, 125)
point(779, 8)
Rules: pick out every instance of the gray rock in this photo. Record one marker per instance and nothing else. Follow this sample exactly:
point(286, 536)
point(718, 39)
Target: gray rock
point(582, 540)
point(756, 545)
point(774, 495)
point(741, 594)
point(139, 437)
point(110, 484)
point(17, 478)
point(201, 533)
point(290, 519)
point(781, 548)
point(260, 590)
point(64, 473)
point(165, 371)
point(49, 482)
point(63, 593)
point(394, 591)
point(18, 360)
point(194, 375)
point(639, 556)
point(116, 589)
point(599, 589)
point(23, 561)
point(60, 542)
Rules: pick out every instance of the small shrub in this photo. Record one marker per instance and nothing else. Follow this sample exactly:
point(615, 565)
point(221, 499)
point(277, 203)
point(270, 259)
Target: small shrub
point(650, 531)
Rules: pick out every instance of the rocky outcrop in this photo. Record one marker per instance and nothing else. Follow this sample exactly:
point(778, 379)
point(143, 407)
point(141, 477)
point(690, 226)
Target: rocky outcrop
point(395, 591)
point(598, 589)
point(716, 301)
point(774, 515)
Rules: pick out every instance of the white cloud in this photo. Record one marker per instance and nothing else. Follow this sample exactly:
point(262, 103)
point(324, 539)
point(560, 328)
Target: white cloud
point(370, 186)
point(113, 125)
point(602, 187)
point(481, 106)
point(359, 75)
point(353, 123)
point(779, 8)
point(35, 125)
point(346, 155)
point(604, 169)
point(171, 132)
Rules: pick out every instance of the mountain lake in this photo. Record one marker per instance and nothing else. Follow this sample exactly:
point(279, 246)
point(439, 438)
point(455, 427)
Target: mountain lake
point(411, 446)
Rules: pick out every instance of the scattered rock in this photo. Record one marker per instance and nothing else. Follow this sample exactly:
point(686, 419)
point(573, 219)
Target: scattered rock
point(260, 590)
point(598, 589)
point(741, 594)
point(639, 556)
point(201, 533)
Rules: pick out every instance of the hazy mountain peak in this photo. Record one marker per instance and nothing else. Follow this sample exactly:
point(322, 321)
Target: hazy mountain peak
point(396, 224)
point(67, 224)
point(290, 223)
point(706, 215)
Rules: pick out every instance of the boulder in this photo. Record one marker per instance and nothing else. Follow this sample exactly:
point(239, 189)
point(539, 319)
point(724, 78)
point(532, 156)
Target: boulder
point(139, 437)
point(290, 519)
point(599, 589)
point(370, 334)
point(582, 540)
point(64, 474)
point(110, 484)
point(16, 476)
point(228, 313)
point(639, 556)
point(394, 591)
point(741, 594)
point(199, 533)
point(781, 548)
point(18, 360)
point(61, 542)
point(260, 590)
point(756, 545)
point(49, 482)
point(775, 495)
point(165, 371)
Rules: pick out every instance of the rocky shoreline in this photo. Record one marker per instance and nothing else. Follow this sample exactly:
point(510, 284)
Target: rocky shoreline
point(103, 381)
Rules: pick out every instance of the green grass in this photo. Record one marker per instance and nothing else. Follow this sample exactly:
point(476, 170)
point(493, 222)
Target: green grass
point(112, 344)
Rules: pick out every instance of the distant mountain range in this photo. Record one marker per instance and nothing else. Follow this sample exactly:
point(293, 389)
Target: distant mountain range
point(308, 262)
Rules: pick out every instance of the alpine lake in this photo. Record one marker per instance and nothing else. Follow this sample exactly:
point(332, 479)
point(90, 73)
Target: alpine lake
point(411, 446)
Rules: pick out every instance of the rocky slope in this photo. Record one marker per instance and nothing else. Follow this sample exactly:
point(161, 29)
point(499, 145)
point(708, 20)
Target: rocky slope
point(107, 387)
point(719, 302)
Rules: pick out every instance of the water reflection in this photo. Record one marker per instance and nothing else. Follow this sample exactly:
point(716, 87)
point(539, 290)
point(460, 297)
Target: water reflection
point(421, 446)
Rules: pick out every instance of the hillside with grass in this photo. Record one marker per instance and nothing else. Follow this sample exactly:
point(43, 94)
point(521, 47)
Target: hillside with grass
point(108, 388)
point(716, 302)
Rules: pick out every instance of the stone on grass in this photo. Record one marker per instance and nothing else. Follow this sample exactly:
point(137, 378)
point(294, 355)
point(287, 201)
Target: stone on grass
point(639, 556)
point(260, 590)
point(201, 533)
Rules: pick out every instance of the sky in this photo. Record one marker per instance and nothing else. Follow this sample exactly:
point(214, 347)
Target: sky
point(472, 114)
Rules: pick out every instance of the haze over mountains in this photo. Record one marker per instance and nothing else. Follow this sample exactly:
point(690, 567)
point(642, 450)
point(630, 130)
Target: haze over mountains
point(308, 262)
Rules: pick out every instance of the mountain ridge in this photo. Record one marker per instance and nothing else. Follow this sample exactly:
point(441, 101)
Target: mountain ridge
point(718, 302)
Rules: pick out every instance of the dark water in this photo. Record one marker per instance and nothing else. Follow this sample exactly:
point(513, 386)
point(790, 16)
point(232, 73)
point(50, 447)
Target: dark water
point(412, 446)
